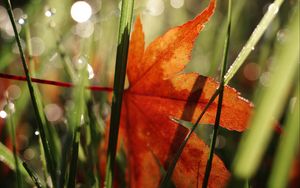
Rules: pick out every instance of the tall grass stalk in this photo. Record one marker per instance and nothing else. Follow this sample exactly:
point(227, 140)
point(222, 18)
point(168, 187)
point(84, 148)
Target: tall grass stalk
point(254, 38)
point(7, 157)
point(220, 100)
point(33, 176)
point(46, 147)
point(270, 103)
point(120, 72)
point(288, 145)
point(12, 127)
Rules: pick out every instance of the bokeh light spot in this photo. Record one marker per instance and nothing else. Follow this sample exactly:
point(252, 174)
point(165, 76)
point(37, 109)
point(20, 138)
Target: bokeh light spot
point(81, 11)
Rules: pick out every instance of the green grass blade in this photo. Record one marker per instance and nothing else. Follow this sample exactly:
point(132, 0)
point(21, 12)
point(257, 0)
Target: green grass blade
point(237, 9)
point(12, 127)
point(7, 157)
point(74, 159)
point(254, 38)
point(288, 146)
point(33, 176)
point(270, 103)
point(46, 147)
point(220, 100)
point(120, 72)
point(76, 120)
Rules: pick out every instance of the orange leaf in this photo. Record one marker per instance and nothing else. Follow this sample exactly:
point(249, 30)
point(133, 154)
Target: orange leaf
point(157, 91)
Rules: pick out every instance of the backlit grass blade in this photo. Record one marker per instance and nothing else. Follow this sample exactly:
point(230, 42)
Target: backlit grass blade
point(254, 38)
point(270, 103)
point(288, 145)
point(12, 131)
point(46, 147)
point(7, 157)
point(119, 80)
point(76, 119)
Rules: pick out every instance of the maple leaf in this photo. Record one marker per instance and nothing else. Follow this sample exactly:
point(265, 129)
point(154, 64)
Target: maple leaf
point(157, 91)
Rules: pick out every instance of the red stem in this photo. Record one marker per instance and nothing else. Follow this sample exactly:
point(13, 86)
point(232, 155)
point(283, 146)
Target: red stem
point(55, 83)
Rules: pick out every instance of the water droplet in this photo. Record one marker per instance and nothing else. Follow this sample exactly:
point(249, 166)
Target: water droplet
point(9, 108)
point(36, 133)
point(81, 119)
point(22, 20)
point(81, 11)
point(80, 63)
point(273, 8)
point(50, 12)
point(3, 114)
point(280, 36)
point(264, 79)
point(253, 48)
point(90, 71)
point(177, 3)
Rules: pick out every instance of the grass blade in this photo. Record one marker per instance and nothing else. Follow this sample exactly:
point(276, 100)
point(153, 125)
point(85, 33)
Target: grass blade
point(76, 119)
point(7, 158)
point(74, 159)
point(12, 127)
point(220, 100)
point(287, 149)
point(33, 176)
point(271, 100)
point(49, 157)
point(120, 72)
point(254, 38)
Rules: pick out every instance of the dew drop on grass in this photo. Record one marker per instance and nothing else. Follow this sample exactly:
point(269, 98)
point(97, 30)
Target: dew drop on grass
point(36, 133)
point(22, 20)
point(280, 36)
point(264, 79)
point(50, 12)
point(273, 8)
point(90, 71)
point(3, 114)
